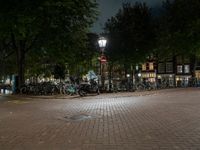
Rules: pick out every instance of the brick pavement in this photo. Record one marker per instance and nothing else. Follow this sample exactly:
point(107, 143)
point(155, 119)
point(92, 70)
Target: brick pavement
point(158, 120)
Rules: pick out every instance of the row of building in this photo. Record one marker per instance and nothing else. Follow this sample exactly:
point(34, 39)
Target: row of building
point(175, 71)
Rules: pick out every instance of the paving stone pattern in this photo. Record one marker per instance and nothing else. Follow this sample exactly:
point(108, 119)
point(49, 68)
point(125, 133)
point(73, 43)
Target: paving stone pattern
point(158, 120)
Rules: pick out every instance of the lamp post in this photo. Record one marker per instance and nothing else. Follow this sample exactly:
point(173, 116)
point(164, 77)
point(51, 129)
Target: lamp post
point(128, 82)
point(102, 44)
point(139, 75)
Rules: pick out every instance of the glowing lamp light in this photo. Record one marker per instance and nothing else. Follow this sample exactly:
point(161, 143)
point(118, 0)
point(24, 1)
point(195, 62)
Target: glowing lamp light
point(128, 75)
point(102, 42)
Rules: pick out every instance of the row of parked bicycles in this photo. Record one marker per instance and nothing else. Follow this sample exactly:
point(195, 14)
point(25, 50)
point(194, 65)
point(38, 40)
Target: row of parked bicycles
point(50, 88)
point(84, 88)
point(140, 86)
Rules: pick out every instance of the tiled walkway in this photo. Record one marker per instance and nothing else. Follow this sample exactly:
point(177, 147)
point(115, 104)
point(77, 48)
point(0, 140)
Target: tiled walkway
point(159, 120)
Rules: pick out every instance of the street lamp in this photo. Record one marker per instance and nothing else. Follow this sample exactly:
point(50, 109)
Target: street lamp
point(102, 44)
point(128, 82)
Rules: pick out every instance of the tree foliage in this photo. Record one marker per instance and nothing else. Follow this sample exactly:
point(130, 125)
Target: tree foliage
point(45, 29)
point(179, 28)
point(130, 34)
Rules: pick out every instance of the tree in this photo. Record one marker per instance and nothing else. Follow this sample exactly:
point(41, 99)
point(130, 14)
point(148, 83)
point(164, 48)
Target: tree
point(179, 28)
point(6, 57)
point(44, 26)
point(83, 60)
point(130, 34)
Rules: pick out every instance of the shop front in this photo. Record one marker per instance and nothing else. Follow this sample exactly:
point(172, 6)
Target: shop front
point(149, 76)
point(183, 80)
point(167, 79)
point(197, 76)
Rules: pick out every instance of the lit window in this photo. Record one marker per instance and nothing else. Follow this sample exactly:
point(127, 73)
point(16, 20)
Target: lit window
point(143, 67)
point(137, 67)
point(197, 75)
point(152, 75)
point(151, 66)
point(179, 69)
point(187, 68)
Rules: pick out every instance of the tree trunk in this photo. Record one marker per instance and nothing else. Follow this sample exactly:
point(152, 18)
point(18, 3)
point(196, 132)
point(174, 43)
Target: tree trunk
point(20, 48)
point(21, 64)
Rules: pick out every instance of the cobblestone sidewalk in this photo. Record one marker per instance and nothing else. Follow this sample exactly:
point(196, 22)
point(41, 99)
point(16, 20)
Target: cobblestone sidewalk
point(157, 120)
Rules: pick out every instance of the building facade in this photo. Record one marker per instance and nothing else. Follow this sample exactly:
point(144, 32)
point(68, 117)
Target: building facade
point(175, 71)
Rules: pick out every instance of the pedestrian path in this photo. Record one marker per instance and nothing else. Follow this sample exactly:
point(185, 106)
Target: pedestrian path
point(166, 120)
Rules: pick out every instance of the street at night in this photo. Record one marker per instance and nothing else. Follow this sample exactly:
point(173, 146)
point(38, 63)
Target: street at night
point(151, 120)
point(100, 75)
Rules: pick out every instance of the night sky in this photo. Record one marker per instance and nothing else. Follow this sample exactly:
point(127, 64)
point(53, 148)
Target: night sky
point(108, 8)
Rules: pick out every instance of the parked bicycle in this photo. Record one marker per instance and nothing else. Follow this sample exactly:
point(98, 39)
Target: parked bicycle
point(141, 86)
point(88, 87)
